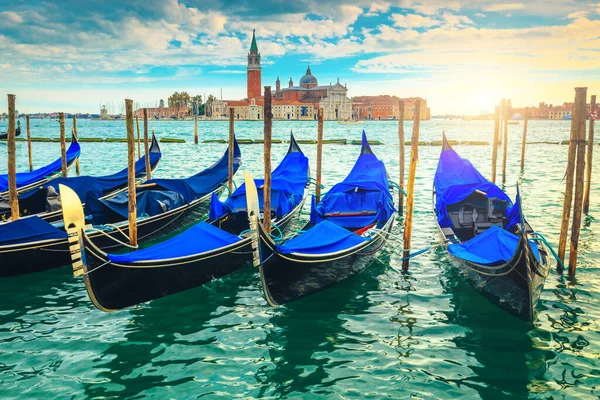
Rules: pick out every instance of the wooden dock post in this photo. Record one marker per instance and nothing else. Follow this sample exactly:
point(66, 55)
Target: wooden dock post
point(137, 123)
point(401, 155)
point(13, 196)
point(76, 136)
point(147, 146)
point(502, 111)
point(319, 154)
point(412, 172)
point(523, 142)
point(230, 159)
point(505, 143)
point(569, 175)
point(196, 123)
point(63, 144)
point(495, 143)
point(588, 175)
point(268, 125)
point(29, 144)
point(579, 180)
point(131, 173)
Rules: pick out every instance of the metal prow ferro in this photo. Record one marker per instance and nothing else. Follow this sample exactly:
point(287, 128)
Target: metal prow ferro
point(74, 220)
point(253, 208)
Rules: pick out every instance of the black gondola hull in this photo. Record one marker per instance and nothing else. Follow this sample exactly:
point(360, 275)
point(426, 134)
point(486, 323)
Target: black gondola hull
point(515, 286)
point(286, 278)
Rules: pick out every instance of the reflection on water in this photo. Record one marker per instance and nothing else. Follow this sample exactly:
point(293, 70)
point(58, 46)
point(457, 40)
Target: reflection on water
point(425, 334)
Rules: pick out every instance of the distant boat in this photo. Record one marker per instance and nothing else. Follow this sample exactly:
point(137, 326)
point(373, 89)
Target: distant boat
point(350, 122)
point(4, 135)
point(567, 117)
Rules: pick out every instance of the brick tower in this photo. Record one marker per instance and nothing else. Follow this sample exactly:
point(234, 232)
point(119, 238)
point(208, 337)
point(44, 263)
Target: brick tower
point(254, 72)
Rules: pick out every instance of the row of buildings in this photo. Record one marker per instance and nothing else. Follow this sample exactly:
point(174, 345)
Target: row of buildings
point(299, 101)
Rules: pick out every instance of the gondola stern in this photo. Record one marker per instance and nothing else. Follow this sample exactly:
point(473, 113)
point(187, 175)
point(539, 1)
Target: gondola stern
point(253, 209)
point(445, 144)
point(74, 220)
point(294, 147)
point(154, 146)
point(365, 146)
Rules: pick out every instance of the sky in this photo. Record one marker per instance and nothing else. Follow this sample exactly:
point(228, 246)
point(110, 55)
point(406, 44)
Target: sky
point(463, 56)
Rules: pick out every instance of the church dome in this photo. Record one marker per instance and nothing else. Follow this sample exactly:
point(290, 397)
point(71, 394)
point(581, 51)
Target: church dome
point(308, 80)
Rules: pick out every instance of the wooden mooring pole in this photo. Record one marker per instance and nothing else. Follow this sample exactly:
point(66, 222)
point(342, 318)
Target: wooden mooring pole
point(588, 175)
point(147, 146)
point(63, 144)
point(268, 125)
point(412, 172)
point(401, 155)
point(580, 94)
point(13, 196)
point(131, 173)
point(579, 181)
point(29, 143)
point(502, 108)
point(137, 123)
point(505, 143)
point(77, 137)
point(230, 153)
point(319, 154)
point(523, 142)
point(495, 142)
point(196, 123)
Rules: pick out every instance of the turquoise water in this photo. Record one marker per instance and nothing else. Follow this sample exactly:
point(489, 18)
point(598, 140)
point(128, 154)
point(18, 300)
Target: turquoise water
point(424, 334)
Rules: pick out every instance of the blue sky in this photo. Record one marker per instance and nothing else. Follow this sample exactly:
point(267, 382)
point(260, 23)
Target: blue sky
point(461, 55)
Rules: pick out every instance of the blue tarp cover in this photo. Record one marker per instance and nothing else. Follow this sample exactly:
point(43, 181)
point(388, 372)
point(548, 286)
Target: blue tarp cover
point(204, 182)
point(288, 181)
point(492, 247)
point(198, 239)
point(456, 179)
point(149, 203)
point(365, 190)
point(96, 186)
point(323, 238)
point(28, 230)
point(27, 178)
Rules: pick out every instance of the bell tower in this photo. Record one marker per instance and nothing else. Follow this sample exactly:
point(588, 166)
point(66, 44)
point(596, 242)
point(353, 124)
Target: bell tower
point(254, 70)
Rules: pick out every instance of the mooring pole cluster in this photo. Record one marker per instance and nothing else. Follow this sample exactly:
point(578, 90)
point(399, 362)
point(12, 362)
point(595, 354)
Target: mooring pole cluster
point(13, 196)
point(588, 175)
point(230, 158)
point(132, 206)
point(319, 154)
point(574, 180)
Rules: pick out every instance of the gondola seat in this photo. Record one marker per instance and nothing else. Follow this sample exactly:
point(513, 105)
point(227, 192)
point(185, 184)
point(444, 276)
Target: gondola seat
point(494, 246)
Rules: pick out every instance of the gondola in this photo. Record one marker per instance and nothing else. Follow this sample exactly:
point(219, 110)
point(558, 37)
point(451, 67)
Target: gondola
point(29, 180)
point(31, 244)
point(4, 135)
point(346, 231)
point(44, 200)
point(192, 258)
point(487, 237)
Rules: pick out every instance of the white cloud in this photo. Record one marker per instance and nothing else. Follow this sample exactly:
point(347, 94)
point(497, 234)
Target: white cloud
point(410, 21)
point(377, 8)
point(577, 14)
point(10, 17)
point(504, 7)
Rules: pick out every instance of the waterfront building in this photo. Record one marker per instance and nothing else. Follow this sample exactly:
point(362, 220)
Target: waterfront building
point(385, 107)
point(291, 103)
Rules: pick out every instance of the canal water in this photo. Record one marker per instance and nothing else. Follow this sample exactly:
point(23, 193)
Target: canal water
point(425, 334)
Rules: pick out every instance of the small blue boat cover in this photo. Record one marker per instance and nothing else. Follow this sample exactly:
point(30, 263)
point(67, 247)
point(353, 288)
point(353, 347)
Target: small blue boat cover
point(97, 186)
point(323, 238)
point(204, 182)
point(288, 181)
point(494, 246)
point(198, 239)
point(28, 230)
point(456, 179)
point(148, 204)
point(168, 194)
point(362, 198)
point(27, 178)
